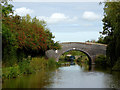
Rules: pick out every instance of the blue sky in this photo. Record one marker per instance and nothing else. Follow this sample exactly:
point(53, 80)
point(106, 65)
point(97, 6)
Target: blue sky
point(68, 21)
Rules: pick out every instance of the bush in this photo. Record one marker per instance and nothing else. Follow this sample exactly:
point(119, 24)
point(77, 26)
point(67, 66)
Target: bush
point(8, 46)
point(29, 65)
point(24, 66)
point(117, 65)
point(11, 72)
point(62, 58)
point(100, 60)
point(67, 58)
point(79, 59)
point(38, 63)
point(51, 63)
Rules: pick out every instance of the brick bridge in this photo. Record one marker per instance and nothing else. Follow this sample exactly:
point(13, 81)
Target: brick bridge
point(90, 49)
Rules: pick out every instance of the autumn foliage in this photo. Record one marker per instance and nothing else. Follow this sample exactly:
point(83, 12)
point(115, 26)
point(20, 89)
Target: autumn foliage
point(30, 33)
point(23, 36)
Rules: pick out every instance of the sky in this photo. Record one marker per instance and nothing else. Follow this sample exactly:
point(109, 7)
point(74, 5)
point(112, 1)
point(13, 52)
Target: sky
point(68, 21)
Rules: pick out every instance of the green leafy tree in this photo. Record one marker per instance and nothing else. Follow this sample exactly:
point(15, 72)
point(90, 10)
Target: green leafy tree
point(9, 46)
point(24, 35)
point(111, 29)
point(6, 8)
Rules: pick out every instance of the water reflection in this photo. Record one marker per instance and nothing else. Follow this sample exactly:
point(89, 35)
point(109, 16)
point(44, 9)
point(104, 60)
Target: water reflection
point(37, 80)
point(74, 76)
point(84, 76)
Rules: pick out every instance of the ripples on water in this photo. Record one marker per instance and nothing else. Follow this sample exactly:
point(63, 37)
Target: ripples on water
point(74, 76)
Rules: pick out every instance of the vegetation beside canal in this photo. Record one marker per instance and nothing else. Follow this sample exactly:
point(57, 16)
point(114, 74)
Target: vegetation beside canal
point(29, 66)
point(23, 40)
point(101, 60)
point(111, 33)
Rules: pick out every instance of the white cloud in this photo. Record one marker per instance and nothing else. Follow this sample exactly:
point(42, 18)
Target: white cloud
point(23, 11)
point(91, 16)
point(57, 17)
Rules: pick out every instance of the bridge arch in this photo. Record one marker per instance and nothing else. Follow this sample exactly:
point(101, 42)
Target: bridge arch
point(90, 49)
point(76, 49)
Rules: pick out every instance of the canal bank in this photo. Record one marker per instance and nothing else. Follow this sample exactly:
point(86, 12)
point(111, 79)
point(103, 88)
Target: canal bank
point(73, 76)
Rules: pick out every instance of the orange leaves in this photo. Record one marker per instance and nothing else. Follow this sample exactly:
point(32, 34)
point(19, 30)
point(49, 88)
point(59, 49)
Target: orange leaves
point(33, 37)
point(29, 35)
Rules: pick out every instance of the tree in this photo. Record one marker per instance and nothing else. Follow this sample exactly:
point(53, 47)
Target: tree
point(24, 35)
point(6, 8)
point(111, 29)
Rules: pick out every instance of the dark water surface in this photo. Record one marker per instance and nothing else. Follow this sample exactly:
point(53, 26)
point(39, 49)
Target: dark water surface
point(74, 76)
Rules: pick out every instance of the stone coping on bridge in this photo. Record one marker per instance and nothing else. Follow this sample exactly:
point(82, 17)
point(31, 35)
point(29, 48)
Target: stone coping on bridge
point(89, 43)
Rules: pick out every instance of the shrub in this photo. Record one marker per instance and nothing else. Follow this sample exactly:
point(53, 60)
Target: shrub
point(8, 46)
point(29, 65)
point(24, 66)
point(117, 65)
point(100, 60)
point(62, 58)
point(79, 59)
point(11, 72)
point(51, 63)
point(38, 63)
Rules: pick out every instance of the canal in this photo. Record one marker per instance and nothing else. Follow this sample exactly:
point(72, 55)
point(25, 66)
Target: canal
point(74, 76)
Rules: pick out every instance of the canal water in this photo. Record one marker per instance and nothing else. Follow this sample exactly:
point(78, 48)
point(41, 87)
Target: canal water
point(74, 76)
